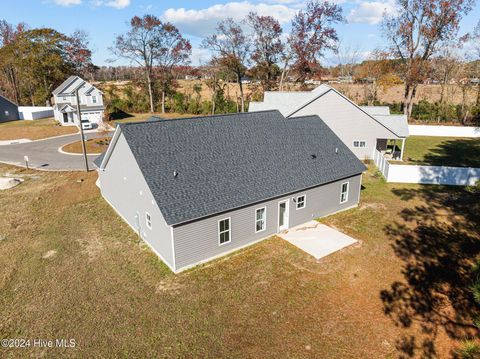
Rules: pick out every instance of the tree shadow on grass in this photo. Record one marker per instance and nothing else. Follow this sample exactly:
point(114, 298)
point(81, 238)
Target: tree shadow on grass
point(455, 153)
point(438, 243)
point(118, 114)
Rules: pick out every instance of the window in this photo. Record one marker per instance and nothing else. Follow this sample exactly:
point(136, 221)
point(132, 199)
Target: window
point(7, 113)
point(148, 220)
point(359, 144)
point(301, 202)
point(344, 193)
point(94, 99)
point(224, 231)
point(260, 219)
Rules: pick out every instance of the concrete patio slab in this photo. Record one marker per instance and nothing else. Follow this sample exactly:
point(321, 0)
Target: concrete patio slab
point(317, 239)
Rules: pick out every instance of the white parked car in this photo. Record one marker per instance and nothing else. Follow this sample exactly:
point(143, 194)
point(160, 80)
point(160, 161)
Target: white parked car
point(86, 125)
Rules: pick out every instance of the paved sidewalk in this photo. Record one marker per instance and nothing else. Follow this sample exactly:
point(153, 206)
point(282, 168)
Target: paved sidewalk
point(317, 239)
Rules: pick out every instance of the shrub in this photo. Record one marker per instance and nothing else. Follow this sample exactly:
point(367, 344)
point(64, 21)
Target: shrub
point(469, 349)
point(473, 189)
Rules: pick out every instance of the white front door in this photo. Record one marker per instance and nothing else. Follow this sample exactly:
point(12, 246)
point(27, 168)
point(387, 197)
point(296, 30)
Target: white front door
point(282, 215)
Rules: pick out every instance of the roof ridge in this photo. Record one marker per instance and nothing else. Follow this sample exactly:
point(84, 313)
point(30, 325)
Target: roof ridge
point(159, 119)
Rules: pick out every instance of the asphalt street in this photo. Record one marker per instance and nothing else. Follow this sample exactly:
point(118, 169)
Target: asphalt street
point(44, 154)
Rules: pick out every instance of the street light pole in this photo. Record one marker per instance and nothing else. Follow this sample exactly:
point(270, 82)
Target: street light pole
point(82, 137)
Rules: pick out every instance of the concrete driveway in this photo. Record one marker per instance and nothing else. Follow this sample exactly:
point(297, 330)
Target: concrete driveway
point(317, 239)
point(44, 154)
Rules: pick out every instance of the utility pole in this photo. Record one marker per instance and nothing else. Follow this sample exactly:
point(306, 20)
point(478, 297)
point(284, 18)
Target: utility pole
point(82, 137)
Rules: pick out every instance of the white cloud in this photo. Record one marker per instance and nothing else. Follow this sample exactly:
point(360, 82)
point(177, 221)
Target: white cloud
point(67, 2)
point(117, 4)
point(200, 56)
point(370, 12)
point(203, 21)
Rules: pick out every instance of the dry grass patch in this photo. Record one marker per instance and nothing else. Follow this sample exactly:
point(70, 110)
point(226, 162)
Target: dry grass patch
point(271, 300)
point(139, 117)
point(34, 130)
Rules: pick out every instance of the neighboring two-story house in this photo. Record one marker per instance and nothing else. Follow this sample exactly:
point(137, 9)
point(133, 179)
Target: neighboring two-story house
point(91, 102)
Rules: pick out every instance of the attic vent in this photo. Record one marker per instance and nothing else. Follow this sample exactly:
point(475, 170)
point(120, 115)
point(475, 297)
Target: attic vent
point(175, 174)
point(313, 156)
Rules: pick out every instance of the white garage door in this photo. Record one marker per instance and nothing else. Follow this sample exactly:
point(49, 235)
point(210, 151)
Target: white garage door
point(93, 117)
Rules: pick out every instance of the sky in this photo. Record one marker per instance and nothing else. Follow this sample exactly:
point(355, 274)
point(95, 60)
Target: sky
point(103, 19)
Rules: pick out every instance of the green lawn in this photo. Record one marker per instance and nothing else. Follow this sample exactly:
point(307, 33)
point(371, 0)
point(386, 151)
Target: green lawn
point(71, 268)
point(442, 151)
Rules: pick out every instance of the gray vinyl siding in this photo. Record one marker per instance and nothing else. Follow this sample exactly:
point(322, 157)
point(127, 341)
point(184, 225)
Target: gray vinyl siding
point(132, 194)
point(8, 110)
point(198, 241)
point(348, 122)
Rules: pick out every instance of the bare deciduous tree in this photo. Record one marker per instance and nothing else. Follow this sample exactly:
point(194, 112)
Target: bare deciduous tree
point(230, 47)
point(140, 45)
point(173, 50)
point(416, 32)
point(313, 33)
point(267, 47)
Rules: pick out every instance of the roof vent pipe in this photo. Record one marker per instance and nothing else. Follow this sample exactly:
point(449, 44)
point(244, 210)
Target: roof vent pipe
point(336, 149)
point(175, 174)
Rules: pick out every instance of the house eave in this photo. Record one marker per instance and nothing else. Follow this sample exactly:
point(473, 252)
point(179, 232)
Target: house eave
point(177, 224)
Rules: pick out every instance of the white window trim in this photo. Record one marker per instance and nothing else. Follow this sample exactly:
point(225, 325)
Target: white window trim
point(341, 192)
point(359, 141)
point(229, 230)
point(264, 221)
point(304, 202)
point(148, 221)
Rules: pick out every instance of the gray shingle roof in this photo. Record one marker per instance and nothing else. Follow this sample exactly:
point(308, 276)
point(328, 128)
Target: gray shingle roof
point(397, 123)
point(229, 161)
point(376, 110)
point(98, 161)
point(69, 81)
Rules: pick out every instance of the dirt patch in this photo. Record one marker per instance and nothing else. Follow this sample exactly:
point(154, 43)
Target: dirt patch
point(92, 246)
point(374, 206)
point(7, 183)
point(169, 286)
point(49, 254)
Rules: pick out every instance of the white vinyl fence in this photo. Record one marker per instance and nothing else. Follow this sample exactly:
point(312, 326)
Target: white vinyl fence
point(34, 112)
point(446, 131)
point(457, 176)
point(382, 164)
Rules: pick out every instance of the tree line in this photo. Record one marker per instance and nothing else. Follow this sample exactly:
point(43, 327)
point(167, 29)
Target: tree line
point(34, 61)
